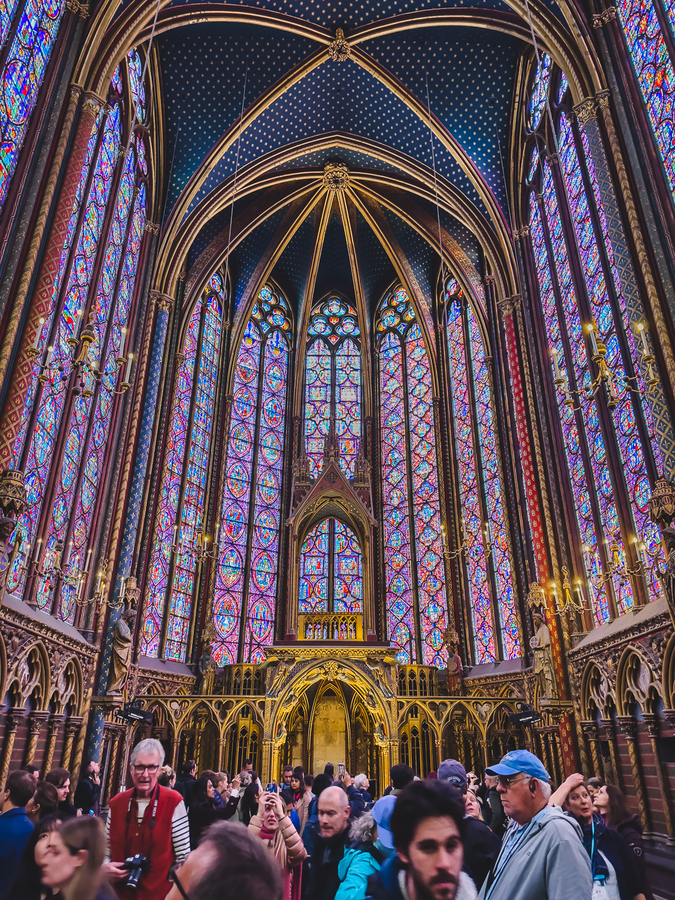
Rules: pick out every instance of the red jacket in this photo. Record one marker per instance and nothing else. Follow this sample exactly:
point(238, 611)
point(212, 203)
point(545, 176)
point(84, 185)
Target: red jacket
point(128, 836)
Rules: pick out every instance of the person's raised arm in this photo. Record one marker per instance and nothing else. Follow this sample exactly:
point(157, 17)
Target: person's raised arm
point(569, 784)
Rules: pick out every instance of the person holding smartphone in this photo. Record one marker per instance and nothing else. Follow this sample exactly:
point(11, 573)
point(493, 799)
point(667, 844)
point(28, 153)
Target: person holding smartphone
point(277, 832)
point(357, 804)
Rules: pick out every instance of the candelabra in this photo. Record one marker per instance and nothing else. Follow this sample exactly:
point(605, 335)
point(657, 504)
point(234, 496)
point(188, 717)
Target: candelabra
point(200, 551)
point(58, 566)
point(464, 544)
point(616, 568)
point(605, 376)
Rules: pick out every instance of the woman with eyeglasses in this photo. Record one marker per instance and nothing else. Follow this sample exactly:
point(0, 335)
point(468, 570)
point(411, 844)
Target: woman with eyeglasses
point(277, 832)
point(615, 875)
point(71, 863)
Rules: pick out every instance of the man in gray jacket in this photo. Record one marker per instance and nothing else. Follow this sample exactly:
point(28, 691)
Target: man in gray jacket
point(542, 855)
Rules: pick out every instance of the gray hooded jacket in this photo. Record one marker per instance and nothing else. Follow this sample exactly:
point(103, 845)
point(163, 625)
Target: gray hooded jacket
point(551, 863)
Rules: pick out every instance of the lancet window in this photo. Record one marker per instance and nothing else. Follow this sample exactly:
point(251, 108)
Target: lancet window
point(331, 570)
point(248, 549)
point(180, 534)
point(417, 606)
point(82, 357)
point(30, 35)
point(333, 383)
point(483, 532)
point(606, 426)
point(649, 31)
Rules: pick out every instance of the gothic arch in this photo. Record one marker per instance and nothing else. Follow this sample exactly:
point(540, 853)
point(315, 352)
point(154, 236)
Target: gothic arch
point(635, 679)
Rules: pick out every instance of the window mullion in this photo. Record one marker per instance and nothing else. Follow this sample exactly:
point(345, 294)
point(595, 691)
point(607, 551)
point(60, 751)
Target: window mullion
point(417, 637)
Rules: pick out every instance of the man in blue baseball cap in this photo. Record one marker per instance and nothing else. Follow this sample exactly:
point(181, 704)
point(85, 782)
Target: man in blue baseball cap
point(542, 856)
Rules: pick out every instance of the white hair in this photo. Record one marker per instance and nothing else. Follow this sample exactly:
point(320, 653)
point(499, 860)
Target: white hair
point(360, 781)
point(363, 828)
point(149, 745)
point(546, 787)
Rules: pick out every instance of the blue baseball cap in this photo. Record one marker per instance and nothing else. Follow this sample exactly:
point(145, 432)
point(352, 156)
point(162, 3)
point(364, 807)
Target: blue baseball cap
point(382, 814)
point(520, 761)
point(453, 771)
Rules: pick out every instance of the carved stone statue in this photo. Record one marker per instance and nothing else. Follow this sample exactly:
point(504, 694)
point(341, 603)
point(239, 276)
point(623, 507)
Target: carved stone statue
point(455, 670)
point(121, 651)
point(543, 659)
point(207, 669)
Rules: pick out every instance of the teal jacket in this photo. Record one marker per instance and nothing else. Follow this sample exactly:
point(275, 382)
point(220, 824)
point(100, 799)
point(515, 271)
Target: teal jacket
point(356, 866)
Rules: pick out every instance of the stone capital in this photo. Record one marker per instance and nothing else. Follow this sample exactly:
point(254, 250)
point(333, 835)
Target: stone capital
point(586, 110)
point(152, 227)
point(603, 99)
point(91, 104)
point(163, 302)
point(607, 15)
point(508, 305)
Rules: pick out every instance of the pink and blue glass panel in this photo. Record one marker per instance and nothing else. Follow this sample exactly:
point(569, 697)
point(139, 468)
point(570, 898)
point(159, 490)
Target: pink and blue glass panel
point(229, 589)
point(348, 574)
point(314, 561)
point(160, 560)
point(192, 511)
point(625, 425)
point(542, 79)
point(92, 472)
point(318, 398)
point(267, 514)
point(48, 419)
point(82, 404)
point(494, 496)
point(426, 513)
point(7, 10)
point(469, 491)
point(348, 403)
point(655, 73)
point(22, 76)
point(135, 67)
point(395, 501)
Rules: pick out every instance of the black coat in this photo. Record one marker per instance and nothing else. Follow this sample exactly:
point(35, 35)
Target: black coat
point(184, 785)
point(481, 848)
point(323, 868)
point(201, 815)
point(497, 820)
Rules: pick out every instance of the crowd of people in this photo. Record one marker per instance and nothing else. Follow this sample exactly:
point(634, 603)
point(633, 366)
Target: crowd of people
point(449, 836)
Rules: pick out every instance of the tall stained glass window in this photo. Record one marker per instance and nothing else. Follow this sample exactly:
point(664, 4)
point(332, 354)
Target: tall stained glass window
point(417, 602)
point(597, 427)
point(484, 532)
point(331, 570)
point(63, 443)
point(23, 71)
point(333, 383)
point(248, 551)
point(179, 531)
point(643, 23)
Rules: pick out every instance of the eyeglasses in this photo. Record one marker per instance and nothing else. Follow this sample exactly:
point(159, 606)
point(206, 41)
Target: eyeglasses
point(151, 770)
point(173, 878)
point(507, 782)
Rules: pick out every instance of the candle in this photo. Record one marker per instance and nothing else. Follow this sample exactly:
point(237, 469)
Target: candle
point(556, 366)
point(80, 585)
point(175, 535)
point(127, 374)
point(215, 539)
point(100, 582)
point(123, 581)
point(50, 351)
point(88, 559)
point(123, 340)
point(594, 344)
point(37, 550)
point(38, 335)
point(643, 338)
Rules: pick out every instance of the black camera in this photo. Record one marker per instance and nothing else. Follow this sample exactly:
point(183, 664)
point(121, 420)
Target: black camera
point(137, 865)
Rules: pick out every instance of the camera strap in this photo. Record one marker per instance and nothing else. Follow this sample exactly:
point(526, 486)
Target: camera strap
point(155, 803)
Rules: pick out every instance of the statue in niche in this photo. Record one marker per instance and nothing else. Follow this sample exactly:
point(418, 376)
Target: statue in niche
point(121, 651)
point(544, 670)
point(454, 674)
point(207, 669)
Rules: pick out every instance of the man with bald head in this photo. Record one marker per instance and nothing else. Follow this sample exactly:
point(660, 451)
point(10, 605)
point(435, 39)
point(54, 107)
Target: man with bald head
point(329, 846)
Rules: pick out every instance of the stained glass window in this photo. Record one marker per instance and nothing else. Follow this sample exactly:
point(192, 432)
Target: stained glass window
point(22, 75)
point(7, 10)
point(179, 532)
point(331, 570)
point(333, 383)
point(483, 526)
point(542, 79)
point(135, 68)
point(248, 551)
point(655, 72)
point(411, 503)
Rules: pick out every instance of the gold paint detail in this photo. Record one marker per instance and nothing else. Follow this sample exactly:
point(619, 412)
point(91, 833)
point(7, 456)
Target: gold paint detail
point(339, 49)
point(508, 305)
point(586, 110)
point(336, 176)
point(152, 227)
point(606, 16)
point(163, 302)
point(91, 104)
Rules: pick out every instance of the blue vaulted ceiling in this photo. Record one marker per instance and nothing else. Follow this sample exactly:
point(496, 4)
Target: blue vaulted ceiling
point(470, 74)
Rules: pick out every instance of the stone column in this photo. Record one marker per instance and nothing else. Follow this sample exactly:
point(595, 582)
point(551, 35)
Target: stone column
point(608, 734)
point(42, 295)
point(72, 727)
point(55, 723)
point(116, 738)
point(35, 725)
point(652, 723)
point(12, 720)
point(590, 730)
point(630, 728)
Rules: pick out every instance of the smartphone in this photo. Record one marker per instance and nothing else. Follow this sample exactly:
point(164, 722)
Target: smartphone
point(341, 770)
point(272, 788)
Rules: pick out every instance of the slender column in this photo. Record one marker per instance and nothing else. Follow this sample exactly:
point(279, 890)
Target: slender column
point(587, 115)
point(652, 723)
point(42, 297)
point(72, 727)
point(609, 735)
point(630, 728)
point(12, 720)
point(116, 738)
point(35, 725)
point(590, 730)
point(55, 722)
point(137, 457)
